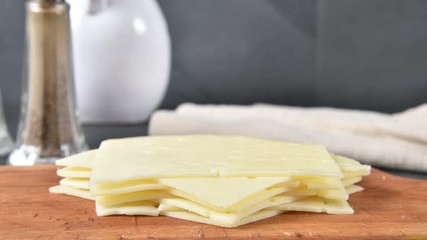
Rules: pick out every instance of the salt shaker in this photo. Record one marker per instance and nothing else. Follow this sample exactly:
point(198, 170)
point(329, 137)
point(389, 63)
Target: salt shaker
point(48, 127)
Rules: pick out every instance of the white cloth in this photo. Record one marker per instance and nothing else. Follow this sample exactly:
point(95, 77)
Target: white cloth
point(389, 140)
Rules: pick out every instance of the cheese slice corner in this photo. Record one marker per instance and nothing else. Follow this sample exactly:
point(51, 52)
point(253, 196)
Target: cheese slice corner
point(83, 160)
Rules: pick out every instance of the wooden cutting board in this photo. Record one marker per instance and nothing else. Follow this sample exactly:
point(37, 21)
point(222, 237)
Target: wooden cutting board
point(390, 208)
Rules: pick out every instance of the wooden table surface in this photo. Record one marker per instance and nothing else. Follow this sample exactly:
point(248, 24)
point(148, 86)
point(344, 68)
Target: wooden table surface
point(390, 208)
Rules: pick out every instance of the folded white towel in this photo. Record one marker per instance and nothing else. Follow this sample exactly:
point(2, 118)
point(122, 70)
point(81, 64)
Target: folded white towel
point(389, 140)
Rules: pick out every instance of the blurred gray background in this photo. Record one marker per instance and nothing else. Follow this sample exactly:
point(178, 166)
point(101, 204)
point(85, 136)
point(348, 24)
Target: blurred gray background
point(364, 54)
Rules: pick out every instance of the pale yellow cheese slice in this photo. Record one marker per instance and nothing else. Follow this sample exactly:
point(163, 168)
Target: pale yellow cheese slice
point(113, 200)
point(321, 182)
point(299, 192)
point(74, 172)
point(121, 160)
point(185, 215)
point(338, 194)
point(350, 165)
point(353, 189)
point(349, 174)
point(351, 180)
point(127, 187)
point(84, 159)
point(81, 183)
point(81, 193)
point(240, 206)
point(131, 208)
point(223, 192)
point(218, 216)
point(318, 205)
point(169, 208)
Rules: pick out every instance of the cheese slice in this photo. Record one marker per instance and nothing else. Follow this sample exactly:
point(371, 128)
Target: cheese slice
point(83, 160)
point(74, 172)
point(240, 206)
point(353, 189)
point(321, 182)
point(224, 217)
point(338, 194)
point(318, 205)
point(350, 165)
point(131, 208)
point(197, 218)
point(81, 193)
point(127, 187)
point(351, 180)
point(224, 192)
point(112, 200)
point(121, 160)
point(81, 183)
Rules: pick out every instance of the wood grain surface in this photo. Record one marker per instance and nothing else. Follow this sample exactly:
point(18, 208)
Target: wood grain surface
point(390, 208)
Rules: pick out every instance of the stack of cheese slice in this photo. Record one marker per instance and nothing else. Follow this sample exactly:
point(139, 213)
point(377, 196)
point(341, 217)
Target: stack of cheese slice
point(75, 175)
point(220, 180)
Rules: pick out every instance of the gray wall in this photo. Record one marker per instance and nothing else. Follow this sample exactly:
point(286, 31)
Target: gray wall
point(12, 14)
point(372, 54)
point(367, 54)
point(242, 51)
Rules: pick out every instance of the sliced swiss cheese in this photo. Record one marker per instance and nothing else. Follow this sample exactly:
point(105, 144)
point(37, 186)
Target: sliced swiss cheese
point(223, 192)
point(81, 183)
point(127, 187)
point(351, 180)
point(130, 208)
point(350, 165)
point(112, 200)
point(83, 160)
point(353, 189)
point(81, 193)
point(183, 214)
point(225, 217)
point(220, 180)
point(74, 172)
point(317, 204)
point(240, 206)
point(121, 160)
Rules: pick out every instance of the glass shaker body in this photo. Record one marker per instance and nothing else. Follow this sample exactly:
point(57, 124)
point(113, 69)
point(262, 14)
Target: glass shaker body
point(49, 127)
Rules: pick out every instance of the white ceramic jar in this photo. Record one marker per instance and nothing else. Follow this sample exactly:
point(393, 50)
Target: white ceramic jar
point(122, 58)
